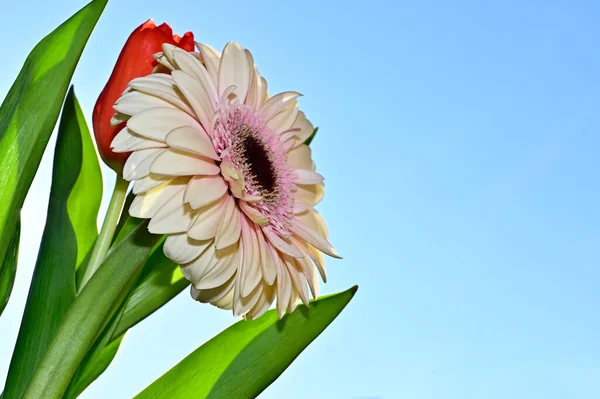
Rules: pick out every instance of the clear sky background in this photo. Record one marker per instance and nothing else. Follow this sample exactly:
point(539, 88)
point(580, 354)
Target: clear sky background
point(460, 145)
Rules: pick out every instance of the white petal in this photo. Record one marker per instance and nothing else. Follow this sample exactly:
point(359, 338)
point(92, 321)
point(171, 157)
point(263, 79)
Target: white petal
point(194, 270)
point(250, 274)
point(234, 70)
point(128, 141)
point(162, 85)
point(118, 118)
point(138, 163)
point(191, 65)
point(177, 163)
point(204, 190)
point(182, 249)
point(304, 176)
point(156, 123)
point(284, 119)
point(230, 228)
point(258, 91)
point(134, 102)
point(253, 214)
point(277, 103)
point(197, 96)
point(189, 139)
point(149, 182)
point(147, 204)
point(311, 193)
point(279, 243)
point(306, 128)
point(300, 158)
point(207, 222)
point(313, 219)
point(293, 302)
point(211, 59)
point(311, 236)
point(226, 262)
point(214, 294)
point(172, 217)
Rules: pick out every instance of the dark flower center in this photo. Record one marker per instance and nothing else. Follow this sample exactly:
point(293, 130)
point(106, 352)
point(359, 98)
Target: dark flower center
point(259, 164)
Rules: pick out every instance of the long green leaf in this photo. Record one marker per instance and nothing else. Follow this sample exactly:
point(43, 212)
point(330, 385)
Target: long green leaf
point(90, 313)
point(68, 236)
point(246, 358)
point(30, 111)
point(8, 268)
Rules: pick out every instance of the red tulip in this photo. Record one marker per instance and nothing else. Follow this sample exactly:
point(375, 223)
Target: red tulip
point(134, 61)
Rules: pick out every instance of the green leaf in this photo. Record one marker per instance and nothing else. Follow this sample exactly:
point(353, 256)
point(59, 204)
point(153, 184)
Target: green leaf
point(246, 358)
point(311, 137)
point(30, 110)
point(68, 237)
point(90, 313)
point(8, 268)
point(161, 281)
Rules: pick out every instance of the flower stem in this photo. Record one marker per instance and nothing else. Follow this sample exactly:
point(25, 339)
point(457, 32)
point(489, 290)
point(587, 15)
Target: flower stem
point(107, 232)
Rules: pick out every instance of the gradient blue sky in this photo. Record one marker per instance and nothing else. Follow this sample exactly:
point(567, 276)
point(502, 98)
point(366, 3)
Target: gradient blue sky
point(460, 144)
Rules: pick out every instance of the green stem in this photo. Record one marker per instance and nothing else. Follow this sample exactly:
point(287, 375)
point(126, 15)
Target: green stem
point(109, 225)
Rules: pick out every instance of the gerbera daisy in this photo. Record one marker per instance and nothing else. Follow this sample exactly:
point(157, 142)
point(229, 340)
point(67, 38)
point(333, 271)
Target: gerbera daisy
point(221, 168)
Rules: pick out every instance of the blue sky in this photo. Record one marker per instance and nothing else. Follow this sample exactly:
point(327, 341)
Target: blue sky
point(460, 143)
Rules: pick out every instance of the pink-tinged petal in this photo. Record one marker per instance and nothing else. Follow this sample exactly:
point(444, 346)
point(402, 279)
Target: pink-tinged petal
point(138, 163)
point(207, 222)
point(266, 299)
point(156, 123)
point(147, 204)
point(227, 93)
point(250, 276)
point(253, 214)
point(304, 176)
point(182, 249)
point(279, 243)
point(241, 304)
point(230, 228)
point(214, 294)
point(226, 262)
point(277, 103)
point(284, 287)
point(196, 95)
point(128, 141)
point(234, 69)
point(269, 270)
point(297, 278)
point(294, 301)
point(204, 190)
point(314, 254)
point(300, 207)
point(188, 139)
point(162, 86)
point(176, 163)
point(172, 217)
point(211, 59)
point(311, 236)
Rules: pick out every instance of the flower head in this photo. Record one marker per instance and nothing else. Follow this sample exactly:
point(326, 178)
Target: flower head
point(221, 167)
point(134, 61)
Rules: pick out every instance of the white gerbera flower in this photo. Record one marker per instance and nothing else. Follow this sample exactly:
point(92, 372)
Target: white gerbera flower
point(221, 168)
